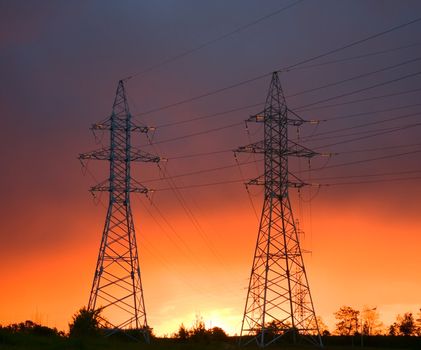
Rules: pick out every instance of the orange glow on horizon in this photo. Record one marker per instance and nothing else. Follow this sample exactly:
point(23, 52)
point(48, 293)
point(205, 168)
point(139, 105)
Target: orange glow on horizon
point(350, 257)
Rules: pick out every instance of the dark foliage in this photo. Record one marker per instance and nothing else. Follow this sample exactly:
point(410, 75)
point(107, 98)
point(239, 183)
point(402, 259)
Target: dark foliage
point(199, 333)
point(29, 327)
point(85, 323)
point(407, 325)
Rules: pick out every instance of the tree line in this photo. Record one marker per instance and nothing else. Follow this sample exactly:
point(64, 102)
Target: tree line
point(350, 322)
point(367, 322)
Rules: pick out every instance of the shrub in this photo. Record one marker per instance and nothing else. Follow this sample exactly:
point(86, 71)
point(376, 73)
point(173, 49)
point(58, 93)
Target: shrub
point(85, 323)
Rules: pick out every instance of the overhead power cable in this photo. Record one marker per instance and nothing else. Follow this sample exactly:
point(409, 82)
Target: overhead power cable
point(374, 134)
point(359, 76)
point(194, 155)
point(210, 184)
point(362, 125)
point(261, 104)
point(377, 181)
point(360, 161)
point(352, 58)
point(202, 185)
point(247, 81)
point(206, 94)
point(354, 43)
point(202, 171)
point(392, 173)
point(304, 108)
point(383, 148)
point(185, 121)
point(200, 154)
point(196, 133)
point(208, 170)
point(315, 169)
point(213, 41)
point(366, 99)
point(354, 115)
point(360, 90)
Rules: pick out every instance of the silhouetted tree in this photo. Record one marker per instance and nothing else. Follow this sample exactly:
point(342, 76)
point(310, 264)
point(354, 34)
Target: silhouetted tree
point(217, 334)
point(183, 333)
point(323, 329)
point(394, 329)
point(371, 321)
point(198, 331)
point(85, 323)
point(404, 325)
point(418, 323)
point(407, 325)
point(30, 327)
point(348, 321)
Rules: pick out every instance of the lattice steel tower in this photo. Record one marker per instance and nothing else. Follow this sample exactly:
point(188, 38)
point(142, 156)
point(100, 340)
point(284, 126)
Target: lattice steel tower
point(117, 286)
point(279, 303)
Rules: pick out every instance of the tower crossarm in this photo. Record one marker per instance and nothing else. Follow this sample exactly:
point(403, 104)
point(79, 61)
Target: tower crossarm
point(99, 154)
point(298, 150)
point(107, 188)
point(262, 116)
point(260, 181)
point(106, 125)
point(294, 149)
point(139, 155)
point(119, 155)
point(256, 147)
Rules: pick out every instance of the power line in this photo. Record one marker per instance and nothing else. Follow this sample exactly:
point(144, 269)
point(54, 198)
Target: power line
point(192, 256)
point(362, 125)
point(354, 43)
point(197, 133)
point(207, 170)
point(259, 104)
point(289, 96)
point(367, 133)
point(213, 41)
point(211, 184)
point(375, 149)
point(374, 134)
point(360, 90)
point(207, 94)
point(353, 115)
point(200, 154)
point(367, 175)
point(201, 185)
point(185, 121)
point(193, 155)
point(373, 181)
point(247, 81)
point(365, 160)
point(240, 123)
point(355, 77)
point(358, 100)
point(323, 178)
point(190, 214)
point(352, 58)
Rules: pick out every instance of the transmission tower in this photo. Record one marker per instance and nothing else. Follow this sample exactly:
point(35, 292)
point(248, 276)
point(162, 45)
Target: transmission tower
point(117, 286)
point(279, 304)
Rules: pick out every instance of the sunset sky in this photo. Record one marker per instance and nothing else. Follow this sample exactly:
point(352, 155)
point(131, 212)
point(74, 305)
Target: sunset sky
point(60, 62)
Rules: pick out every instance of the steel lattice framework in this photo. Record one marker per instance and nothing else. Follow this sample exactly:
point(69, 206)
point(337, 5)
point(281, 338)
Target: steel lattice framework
point(279, 303)
point(117, 286)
